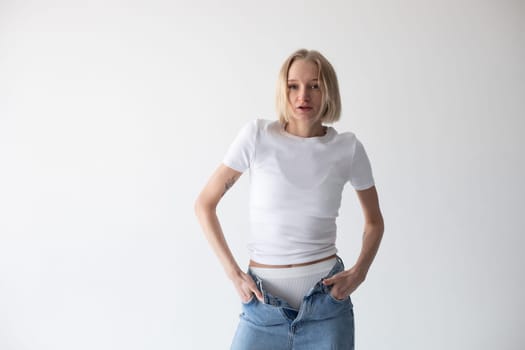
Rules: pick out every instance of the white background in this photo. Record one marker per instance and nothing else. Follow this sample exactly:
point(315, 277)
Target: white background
point(113, 114)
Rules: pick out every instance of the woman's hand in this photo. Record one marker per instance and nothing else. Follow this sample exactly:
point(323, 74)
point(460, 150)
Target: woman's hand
point(345, 283)
point(246, 287)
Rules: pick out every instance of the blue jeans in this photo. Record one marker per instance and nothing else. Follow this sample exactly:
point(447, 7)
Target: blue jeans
point(322, 322)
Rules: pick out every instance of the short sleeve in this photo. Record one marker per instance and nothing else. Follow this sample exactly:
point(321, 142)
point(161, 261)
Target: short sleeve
point(361, 176)
point(241, 151)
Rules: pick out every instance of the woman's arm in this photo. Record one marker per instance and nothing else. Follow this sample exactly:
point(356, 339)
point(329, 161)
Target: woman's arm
point(346, 282)
point(373, 230)
point(205, 208)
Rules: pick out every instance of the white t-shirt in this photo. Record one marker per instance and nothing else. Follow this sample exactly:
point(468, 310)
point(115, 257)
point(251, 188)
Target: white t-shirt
point(295, 188)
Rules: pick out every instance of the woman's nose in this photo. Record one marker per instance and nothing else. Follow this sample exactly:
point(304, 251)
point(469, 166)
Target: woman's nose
point(304, 94)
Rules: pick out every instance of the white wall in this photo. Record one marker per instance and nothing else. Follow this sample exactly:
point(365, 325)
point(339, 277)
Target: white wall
point(113, 114)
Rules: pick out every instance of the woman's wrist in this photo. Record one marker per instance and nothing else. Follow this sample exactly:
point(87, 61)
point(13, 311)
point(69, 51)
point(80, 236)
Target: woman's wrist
point(234, 272)
point(360, 270)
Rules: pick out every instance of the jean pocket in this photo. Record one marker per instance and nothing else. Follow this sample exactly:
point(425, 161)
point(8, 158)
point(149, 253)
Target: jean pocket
point(338, 301)
point(250, 301)
point(334, 300)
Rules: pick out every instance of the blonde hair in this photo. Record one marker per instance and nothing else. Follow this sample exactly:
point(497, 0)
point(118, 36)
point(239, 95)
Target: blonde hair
point(331, 100)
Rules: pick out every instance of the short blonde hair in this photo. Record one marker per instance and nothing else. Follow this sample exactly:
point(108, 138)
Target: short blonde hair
point(331, 99)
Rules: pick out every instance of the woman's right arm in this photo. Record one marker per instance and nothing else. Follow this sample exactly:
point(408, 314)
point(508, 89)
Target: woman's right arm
point(205, 208)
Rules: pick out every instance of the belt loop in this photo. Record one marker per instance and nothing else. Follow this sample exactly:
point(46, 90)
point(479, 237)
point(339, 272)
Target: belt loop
point(340, 261)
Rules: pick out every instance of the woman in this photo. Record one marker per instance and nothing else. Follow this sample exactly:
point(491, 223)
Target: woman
point(296, 292)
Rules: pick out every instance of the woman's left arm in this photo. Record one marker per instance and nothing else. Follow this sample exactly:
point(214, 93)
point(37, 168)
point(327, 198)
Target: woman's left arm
point(346, 282)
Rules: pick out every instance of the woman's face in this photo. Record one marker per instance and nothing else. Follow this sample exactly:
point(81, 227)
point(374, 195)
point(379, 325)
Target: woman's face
point(304, 91)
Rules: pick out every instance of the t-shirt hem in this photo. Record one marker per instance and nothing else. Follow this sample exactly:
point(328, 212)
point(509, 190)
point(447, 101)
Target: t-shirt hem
point(289, 260)
point(233, 166)
point(364, 187)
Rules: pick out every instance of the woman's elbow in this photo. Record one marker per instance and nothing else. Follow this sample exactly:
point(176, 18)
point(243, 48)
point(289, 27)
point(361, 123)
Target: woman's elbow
point(202, 206)
point(377, 223)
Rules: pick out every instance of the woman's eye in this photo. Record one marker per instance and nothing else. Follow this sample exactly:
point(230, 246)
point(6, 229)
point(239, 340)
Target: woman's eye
point(292, 87)
point(314, 86)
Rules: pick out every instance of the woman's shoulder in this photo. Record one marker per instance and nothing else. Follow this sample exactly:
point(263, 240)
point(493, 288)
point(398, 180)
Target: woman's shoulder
point(252, 130)
point(264, 124)
point(261, 126)
point(346, 136)
point(349, 142)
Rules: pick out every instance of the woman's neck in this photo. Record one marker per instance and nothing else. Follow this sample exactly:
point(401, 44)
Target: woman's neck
point(305, 130)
